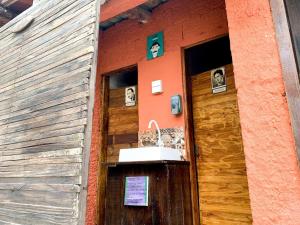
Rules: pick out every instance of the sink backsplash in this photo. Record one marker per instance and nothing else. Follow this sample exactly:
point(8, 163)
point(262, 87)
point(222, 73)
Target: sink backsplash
point(171, 137)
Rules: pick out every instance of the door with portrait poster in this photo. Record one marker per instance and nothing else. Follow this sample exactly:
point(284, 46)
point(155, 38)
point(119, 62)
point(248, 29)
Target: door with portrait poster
point(123, 123)
point(220, 172)
point(221, 169)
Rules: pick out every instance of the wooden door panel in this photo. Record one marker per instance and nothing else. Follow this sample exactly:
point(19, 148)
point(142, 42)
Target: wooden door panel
point(123, 124)
point(222, 178)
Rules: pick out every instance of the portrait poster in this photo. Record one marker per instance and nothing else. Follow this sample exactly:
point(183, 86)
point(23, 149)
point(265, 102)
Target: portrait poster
point(155, 45)
point(130, 96)
point(218, 80)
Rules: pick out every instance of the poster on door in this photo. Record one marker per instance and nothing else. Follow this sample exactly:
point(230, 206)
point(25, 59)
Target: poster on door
point(218, 80)
point(130, 96)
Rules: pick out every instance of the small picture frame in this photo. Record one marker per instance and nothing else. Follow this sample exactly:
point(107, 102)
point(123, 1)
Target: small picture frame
point(218, 80)
point(130, 96)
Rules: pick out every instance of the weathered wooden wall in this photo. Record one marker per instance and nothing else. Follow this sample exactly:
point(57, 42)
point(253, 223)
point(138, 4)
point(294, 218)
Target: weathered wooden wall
point(47, 75)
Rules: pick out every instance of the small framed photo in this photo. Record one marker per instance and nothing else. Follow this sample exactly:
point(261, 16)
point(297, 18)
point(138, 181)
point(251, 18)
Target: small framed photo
point(218, 80)
point(130, 96)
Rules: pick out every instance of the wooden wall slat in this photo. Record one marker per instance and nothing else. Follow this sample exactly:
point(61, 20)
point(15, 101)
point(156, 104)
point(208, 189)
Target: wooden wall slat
point(43, 16)
point(46, 89)
point(42, 55)
point(66, 68)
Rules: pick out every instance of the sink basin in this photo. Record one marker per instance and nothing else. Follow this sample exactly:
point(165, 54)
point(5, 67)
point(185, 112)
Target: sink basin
point(149, 154)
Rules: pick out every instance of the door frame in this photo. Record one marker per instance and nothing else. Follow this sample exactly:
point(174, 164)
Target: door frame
point(189, 131)
point(289, 66)
point(189, 136)
point(101, 169)
point(102, 148)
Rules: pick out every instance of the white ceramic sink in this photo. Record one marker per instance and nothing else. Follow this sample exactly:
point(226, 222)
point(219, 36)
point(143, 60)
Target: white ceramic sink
point(149, 154)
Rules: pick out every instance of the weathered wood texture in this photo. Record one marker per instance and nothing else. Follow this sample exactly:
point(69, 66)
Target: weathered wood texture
point(123, 124)
point(46, 93)
point(293, 9)
point(222, 178)
point(169, 201)
point(288, 39)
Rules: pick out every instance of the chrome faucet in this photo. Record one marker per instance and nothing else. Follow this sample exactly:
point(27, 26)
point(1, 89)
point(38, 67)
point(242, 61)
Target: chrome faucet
point(159, 142)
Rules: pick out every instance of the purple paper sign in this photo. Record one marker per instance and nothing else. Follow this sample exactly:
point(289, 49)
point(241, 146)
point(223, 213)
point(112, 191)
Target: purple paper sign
point(136, 191)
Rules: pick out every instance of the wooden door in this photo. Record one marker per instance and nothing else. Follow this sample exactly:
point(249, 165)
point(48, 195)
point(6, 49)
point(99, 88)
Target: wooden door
point(222, 178)
point(123, 124)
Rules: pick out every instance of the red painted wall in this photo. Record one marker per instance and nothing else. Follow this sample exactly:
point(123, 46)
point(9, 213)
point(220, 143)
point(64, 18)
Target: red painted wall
point(184, 22)
point(115, 7)
point(273, 173)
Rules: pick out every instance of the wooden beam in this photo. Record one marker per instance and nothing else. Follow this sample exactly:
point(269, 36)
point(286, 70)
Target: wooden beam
point(89, 125)
point(289, 66)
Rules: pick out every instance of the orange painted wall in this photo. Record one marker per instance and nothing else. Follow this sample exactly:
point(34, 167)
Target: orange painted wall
point(273, 173)
point(91, 209)
point(184, 22)
point(115, 7)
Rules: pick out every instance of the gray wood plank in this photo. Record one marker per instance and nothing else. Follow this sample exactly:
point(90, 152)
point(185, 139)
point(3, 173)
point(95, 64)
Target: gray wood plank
point(46, 102)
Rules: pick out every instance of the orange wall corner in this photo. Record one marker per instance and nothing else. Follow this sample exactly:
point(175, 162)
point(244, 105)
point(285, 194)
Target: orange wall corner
point(272, 168)
point(113, 8)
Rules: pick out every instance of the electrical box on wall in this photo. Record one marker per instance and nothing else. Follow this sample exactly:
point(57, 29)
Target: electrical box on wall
point(157, 87)
point(176, 105)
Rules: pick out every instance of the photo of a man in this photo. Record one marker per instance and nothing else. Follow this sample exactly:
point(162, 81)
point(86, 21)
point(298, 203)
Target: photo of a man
point(130, 96)
point(218, 80)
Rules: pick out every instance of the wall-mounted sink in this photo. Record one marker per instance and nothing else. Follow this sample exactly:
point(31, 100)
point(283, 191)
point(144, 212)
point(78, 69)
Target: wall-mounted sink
point(149, 154)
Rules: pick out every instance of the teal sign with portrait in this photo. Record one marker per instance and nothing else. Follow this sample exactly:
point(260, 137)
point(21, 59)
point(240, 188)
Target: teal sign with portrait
point(155, 45)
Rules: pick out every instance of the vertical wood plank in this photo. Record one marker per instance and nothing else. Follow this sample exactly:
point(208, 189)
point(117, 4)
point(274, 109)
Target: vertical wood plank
point(88, 132)
point(289, 66)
